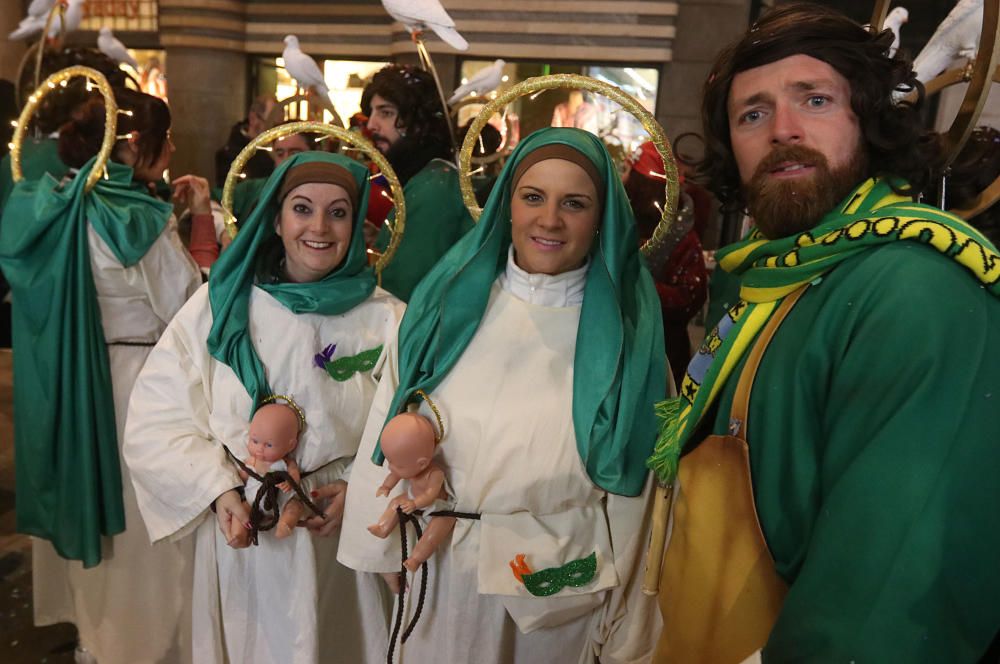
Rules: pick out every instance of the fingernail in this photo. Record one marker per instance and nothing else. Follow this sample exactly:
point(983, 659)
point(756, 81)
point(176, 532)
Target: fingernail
point(314, 493)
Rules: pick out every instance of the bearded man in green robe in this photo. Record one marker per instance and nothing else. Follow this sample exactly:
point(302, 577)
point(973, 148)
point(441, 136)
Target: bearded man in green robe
point(407, 123)
point(837, 434)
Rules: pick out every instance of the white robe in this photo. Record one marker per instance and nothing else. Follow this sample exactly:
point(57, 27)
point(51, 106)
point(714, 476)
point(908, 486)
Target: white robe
point(133, 608)
point(509, 453)
point(285, 600)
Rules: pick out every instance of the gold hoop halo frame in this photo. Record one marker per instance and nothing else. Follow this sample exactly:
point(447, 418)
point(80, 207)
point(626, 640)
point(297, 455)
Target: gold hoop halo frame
point(309, 97)
point(979, 80)
point(51, 83)
point(504, 150)
point(576, 82)
point(349, 137)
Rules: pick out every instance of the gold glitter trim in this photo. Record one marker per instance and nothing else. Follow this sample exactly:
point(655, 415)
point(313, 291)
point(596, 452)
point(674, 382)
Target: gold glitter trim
point(539, 84)
point(290, 402)
point(437, 414)
point(351, 138)
point(51, 83)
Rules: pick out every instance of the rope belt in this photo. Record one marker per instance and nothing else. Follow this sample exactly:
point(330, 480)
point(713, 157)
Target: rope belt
point(265, 512)
point(405, 518)
point(131, 343)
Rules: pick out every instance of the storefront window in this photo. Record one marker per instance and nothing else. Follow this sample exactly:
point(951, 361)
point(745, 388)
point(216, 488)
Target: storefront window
point(345, 78)
point(572, 108)
point(120, 15)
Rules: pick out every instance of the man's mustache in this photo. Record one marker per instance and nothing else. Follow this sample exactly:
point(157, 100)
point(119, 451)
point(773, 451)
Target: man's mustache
point(789, 153)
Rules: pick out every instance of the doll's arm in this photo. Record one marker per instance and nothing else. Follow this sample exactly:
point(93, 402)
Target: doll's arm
point(390, 482)
point(293, 471)
point(435, 483)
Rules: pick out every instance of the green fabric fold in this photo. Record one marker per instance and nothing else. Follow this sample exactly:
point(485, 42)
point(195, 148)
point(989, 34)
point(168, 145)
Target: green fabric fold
point(233, 277)
point(619, 367)
point(69, 487)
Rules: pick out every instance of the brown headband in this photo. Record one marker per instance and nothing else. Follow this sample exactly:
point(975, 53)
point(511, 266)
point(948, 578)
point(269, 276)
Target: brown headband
point(323, 172)
point(566, 153)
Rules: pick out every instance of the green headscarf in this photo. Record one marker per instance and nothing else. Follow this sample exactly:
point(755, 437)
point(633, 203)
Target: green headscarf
point(232, 277)
point(68, 476)
point(619, 371)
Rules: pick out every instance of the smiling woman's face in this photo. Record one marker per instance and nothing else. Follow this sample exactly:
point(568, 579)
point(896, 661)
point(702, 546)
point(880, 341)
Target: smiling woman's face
point(315, 225)
point(555, 212)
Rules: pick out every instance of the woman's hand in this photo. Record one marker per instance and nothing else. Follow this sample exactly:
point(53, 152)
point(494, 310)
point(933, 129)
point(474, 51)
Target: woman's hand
point(234, 519)
point(336, 493)
point(194, 193)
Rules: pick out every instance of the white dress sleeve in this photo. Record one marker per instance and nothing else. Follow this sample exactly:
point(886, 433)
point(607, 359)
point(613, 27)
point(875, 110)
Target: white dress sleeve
point(359, 549)
point(169, 274)
point(630, 621)
point(178, 469)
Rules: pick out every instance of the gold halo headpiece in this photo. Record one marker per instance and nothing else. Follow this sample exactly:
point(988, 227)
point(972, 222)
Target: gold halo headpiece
point(51, 83)
point(980, 74)
point(344, 135)
point(533, 86)
point(439, 434)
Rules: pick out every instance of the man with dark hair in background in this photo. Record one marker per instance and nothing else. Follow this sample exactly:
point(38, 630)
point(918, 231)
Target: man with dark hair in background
point(408, 125)
point(244, 131)
point(838, 493)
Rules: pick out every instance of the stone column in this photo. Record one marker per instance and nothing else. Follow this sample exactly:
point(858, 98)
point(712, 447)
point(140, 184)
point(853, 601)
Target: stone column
point(704, 27)
point(208, 94)
point(11, 52)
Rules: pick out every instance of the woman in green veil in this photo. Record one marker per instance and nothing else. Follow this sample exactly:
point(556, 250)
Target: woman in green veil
point(292, 311)
point(539, 340)
point(96, 276)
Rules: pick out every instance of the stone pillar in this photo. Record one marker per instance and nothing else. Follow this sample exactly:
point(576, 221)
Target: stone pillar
point(208, 94)
point(704, 27)
point(11, 52)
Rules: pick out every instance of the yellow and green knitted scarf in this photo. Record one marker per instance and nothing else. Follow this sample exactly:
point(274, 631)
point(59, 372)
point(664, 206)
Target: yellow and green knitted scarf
point(871, 215)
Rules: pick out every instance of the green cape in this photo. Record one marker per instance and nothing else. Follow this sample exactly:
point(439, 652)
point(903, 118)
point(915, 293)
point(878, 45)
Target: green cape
point(38, 157)
point(436, 219)
point(68, 475)
point(620, 367)
point(233, 277)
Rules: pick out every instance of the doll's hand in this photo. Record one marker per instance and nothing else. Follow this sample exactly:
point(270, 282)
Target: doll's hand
point(285, 486)
point(382, 491)
point(392, 580)
point(334, 511)
point(234, 519)
point(408, 506)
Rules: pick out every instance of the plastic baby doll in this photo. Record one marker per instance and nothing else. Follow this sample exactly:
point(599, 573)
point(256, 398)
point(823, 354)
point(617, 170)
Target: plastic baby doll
point(274, 434)
point(408, 442)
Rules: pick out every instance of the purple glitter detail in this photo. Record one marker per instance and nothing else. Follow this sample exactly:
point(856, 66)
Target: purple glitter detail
point(320, 359)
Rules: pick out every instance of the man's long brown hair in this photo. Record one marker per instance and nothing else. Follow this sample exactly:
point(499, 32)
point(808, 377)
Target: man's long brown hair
point(893, 134)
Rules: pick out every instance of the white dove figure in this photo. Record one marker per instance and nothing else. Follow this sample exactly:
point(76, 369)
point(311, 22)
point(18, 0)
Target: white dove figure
point(419, 14)
point(110, 46)
point(303, 68)
point(894, 21)
point(32, 24)
point(40, 7)
point(957, 36)
point(485, 81)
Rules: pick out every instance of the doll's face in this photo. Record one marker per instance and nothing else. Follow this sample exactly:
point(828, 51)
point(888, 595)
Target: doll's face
point(274, 433)
point(408, 444)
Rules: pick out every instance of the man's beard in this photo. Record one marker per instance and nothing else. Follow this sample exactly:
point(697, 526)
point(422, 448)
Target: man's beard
point(785, 207)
